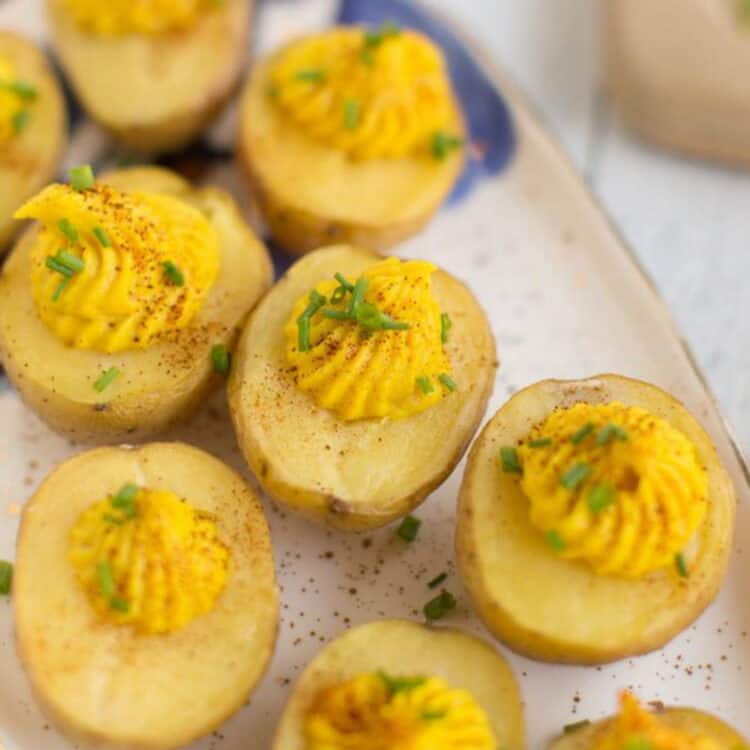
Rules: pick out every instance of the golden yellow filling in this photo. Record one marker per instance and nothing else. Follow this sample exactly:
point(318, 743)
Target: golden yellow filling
point(371, 94)
point(614, 486)
point(114, 271)
point(117, 17)
point(373, 346)
point(147, 558)
point(378, 712)
point(16, 98)
point(635, 728)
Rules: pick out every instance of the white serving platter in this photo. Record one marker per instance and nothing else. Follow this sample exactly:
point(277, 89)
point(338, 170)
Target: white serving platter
point(566, 299)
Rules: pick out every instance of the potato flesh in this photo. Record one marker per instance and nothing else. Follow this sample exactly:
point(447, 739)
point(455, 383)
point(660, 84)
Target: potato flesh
point(28, 161)
point(154, 384)
point(556, 609)
point(103, 682)
point(403, 648)
point(367, 472)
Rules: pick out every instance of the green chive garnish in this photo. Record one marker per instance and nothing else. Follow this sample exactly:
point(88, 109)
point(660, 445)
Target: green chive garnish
point(638, 744)
point(6, 577)
point(173, 273)
point(425, 384)
point(400, 684)
point(125, 496)
point(317, 300)
point(570, 728)
point(580, 435)
point(443, 144)
point(574, 476)
point(106, 580)
point(601, 497)
point(101, 235)
point(81, 178)
point(343, 282)
point(351, 114)
point(60, 289)
point(374, 38)
point(509, 460)
point(433, 715)
point(107, 377)
point(311, 75)
point(409, 528)
point(555, 540)
point(221, 359)
point(438, 607)
point(437, 580)
point(109, 518)
point(447, 381)
point(68, 230)
point(20, 121)
point(24, 90)
point(56, 265)
point(358, 295)
point(445, 326)
point(681, 565)
point(336, 315)
point(73, 262)
point(540, 443)
point(610, 431)
point(118, 604)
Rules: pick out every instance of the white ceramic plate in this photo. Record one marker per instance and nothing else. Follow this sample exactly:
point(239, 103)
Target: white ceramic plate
point(566, 299)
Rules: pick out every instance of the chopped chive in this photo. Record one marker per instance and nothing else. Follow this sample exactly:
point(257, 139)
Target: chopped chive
point(338, 295)
point(434, 715)
point(101, 235)
point(106, 580)
point(107, 377)
point(681, 565)
point(342, 280)
point(56, 265)
point(447, 381)
point(637, 744)
point(311, 75)
point(6, 577)
point(574, 476)
point(68, 230)
point(118, 604)
point(437, 580)
point(425, 384)
point(374, 38)
point(81, 178)
point(575, 726)
point(555, 540)
point(540, 443)
point(173, 273)
point(601, 497)
point(20, 121)
point(221, 359)
point(396, 685)
point(580, 435)
point(443, 144)
point(445, 326)
point(60, 289)
point(610, 431)
point(336, 314)
point(509, 460)
point(358, 294)
point(351, 114)
point(109, 518)
point(24, 90)
point(125, 495)
point(73, 262)
point(409, 528)
point(317, 300)
point(438, 607)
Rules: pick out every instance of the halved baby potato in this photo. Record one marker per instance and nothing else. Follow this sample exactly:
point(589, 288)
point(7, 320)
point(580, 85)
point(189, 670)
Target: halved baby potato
point(313, 195)
point(401, 648)
point(559, 610)
point(689, 720)
point(106, 683)
point(29, 160)
point(155, 92)
point(354, 475)
point(159, 385)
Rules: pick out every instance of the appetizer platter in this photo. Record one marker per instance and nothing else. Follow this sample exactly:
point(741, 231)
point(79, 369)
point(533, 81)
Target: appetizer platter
point(397, 441)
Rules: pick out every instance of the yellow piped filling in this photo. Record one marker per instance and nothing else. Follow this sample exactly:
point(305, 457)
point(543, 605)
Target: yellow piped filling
point(372, 95)
point(16, 98)
point(124, 296)
point(358, 374)
point(118, 17)
point(614, 486)
point(637, 728)
point(375, 712)
point(155, 563)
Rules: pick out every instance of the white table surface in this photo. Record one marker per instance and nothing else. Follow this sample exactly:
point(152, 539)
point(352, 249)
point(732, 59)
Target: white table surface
point(688, 221)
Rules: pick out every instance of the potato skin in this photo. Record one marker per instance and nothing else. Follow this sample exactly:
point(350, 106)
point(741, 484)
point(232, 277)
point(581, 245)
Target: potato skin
point(150, 405)
point(658, 607)
point(346, 509)
point(137, 61)
point(30, 160)
point(688, 719)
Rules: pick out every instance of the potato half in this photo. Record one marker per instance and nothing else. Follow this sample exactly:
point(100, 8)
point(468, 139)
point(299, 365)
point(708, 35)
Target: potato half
point(688, 719)
point(404, 648)
point(104, 683)
point(156, 386)
point(30, 160)
point(311, 195)
point(155, 92)
point(363, 474)
point(559, 610)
